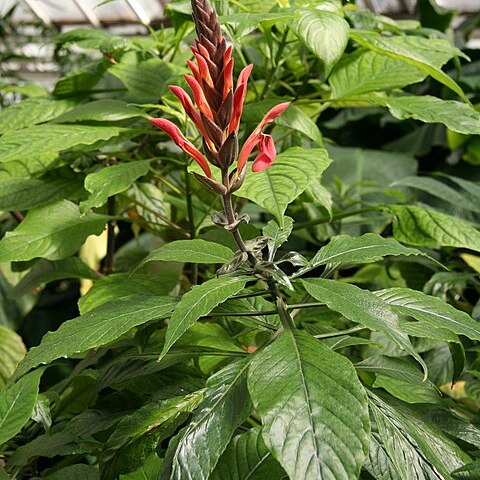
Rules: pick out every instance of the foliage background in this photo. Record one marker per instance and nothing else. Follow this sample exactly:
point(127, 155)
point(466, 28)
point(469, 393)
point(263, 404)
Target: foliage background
point(395, 114)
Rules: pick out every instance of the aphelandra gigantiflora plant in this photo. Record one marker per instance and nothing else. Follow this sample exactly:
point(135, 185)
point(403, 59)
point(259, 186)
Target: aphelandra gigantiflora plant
point(216, 111)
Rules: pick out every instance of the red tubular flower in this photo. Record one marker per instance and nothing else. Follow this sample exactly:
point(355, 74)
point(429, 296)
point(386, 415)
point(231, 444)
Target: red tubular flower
point(217, 104)
point(267, 154)
point(256, 137)
point(177, 137)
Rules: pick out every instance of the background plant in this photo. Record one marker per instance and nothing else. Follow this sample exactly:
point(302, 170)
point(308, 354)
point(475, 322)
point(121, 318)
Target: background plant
point(350, 351)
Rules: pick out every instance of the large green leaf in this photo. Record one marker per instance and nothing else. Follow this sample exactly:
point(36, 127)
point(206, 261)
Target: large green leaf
point(398, 368)
point(92, 38)
point(54, 232)
point(45, 271)
point(34, 149)
point(151, 468)
point(362, 169)
point(275, 188)
point(149, 417)
point(247, 458)
point(415, 448)
point(427, 227)
point(146, 80)
point(106, 110)
point(28, 193)
point(198, 302)
point(457, 116)
point(121, 285)
point(112, 180)
point(75, 472)
point(365, 71)
point(32, 111)
point(361, 306)
point(324, 33)
point(431, 312)
point(345, 250)
point(199, 446)
point(61, 443)
point(313, 408)
point(190, 251)
point(405, 48)
point(440, 190)
point(96, 328)
point(12, 351)
point(16, 405)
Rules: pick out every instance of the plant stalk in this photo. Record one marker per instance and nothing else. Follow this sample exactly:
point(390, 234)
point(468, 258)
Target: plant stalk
point(108, 267)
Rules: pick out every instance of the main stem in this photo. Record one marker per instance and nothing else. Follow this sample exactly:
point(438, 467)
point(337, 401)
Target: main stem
point(282, 309)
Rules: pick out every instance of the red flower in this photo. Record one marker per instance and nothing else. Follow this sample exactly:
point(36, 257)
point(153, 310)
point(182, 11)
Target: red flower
point(256, 137)
point(217, 105)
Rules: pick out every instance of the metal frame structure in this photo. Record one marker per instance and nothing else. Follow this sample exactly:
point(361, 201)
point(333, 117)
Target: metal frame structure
point(144, 17)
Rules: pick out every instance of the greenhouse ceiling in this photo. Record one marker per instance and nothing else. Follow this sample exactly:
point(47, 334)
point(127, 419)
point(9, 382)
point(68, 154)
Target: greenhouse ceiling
point(98, 13)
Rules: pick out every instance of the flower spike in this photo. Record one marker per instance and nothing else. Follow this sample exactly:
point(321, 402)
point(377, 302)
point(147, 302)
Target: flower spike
point(217, 106)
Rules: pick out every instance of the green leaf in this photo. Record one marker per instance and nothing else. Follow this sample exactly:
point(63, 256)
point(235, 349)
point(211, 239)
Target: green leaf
point(81, 82)
point(75, 472)
point(106, 110)
point(362, 168)
point(324, 33)
point(416, 448)
point(121, 285)
point(32, 111)
point(277, 235)
point(16, 405)
point(457, 116)
point(45, 271)
point(34, 149)
point(365, 71)
point(313, 408)
point(405, 48)
point(190, 251)
point(112, 180)
point(60, 443)
point(4, 475)
point(343, 250)
point(241, 24)
point(25, 194)
point(197, 303)
point(431, 312)
point(97, 39)
point(54, 232)
point(225, 407)
point(152, 468)
point(471, 188)
point(96, 328)
point(149, 417)
point(440, 190)
point(12, 351)
point(247, 458)
point(275, 188)
point(361, 306)
point(425, 227)
point(398, 368)
point(146, 80)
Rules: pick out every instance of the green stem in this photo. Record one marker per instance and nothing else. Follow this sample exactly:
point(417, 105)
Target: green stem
point(282, 309)
point(318, 221)
point(340, 333)
point(108, 267)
